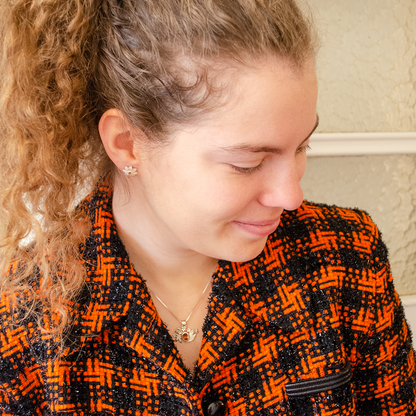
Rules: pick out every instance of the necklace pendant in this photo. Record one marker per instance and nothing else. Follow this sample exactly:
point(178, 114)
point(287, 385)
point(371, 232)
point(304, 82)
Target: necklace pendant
point(184, 334)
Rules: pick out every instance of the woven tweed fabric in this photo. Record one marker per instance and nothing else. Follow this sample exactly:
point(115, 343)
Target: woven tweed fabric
point(312, 326)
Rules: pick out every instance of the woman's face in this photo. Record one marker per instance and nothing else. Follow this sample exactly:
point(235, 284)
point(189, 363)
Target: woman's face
point(221, 186)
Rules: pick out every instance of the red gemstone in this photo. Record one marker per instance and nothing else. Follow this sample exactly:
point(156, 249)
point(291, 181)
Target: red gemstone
point(185, 336)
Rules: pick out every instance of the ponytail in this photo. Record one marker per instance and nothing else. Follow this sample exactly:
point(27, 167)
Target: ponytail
point(49, 146)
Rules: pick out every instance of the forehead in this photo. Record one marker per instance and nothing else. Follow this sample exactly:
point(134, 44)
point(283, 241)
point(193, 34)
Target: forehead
point(267, 101)
point(247, 147)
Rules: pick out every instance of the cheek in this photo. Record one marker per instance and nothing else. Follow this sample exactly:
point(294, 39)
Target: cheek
point(197, 190)
point(220, 199)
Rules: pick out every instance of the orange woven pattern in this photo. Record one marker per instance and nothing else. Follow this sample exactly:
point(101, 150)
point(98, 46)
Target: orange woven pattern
point(318, 300)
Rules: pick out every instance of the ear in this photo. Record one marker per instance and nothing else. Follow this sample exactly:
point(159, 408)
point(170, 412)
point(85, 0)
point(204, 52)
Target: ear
point(117, 136)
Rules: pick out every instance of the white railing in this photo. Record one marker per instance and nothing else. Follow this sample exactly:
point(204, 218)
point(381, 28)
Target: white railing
point(350, 144)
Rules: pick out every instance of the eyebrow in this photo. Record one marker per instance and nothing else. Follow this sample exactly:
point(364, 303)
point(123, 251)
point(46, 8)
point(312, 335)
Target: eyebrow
point(264, 149)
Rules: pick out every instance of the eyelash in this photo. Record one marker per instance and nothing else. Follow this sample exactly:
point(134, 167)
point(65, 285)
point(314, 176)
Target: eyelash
point(247, 171)
point(303, 149)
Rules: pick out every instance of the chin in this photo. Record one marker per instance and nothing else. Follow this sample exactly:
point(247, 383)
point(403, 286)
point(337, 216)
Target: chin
point(246, 252)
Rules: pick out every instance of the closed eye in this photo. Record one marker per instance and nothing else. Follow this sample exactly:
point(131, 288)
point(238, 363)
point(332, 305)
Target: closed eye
point(247, 171)
point(303, 149)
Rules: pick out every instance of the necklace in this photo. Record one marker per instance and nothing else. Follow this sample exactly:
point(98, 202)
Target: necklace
point(183, 334)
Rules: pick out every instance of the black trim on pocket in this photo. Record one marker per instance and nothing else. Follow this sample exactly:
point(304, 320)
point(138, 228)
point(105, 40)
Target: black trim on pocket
point(317, 385)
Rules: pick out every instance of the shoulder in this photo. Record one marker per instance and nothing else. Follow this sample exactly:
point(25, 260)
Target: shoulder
point(320, 246)
point(25, 310)
point(319, 229)
point(25, 349)
point(321, 261)
point(332, 254)
point(339, 221)
point(18, 333)
point(16, 325)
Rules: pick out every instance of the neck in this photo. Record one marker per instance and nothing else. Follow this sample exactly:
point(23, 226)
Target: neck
point(178, 282)
point(166, 267)
point(164, 272)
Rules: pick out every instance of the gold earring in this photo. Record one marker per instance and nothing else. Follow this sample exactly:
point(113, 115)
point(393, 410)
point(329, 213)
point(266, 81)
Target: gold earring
point(130, 171)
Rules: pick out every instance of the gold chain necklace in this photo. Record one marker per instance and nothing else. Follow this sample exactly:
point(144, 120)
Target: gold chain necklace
point(183, 334)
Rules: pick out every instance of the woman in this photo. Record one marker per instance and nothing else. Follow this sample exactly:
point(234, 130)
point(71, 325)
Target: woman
point(192, 279)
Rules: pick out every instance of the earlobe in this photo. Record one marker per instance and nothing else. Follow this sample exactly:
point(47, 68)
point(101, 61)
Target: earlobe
point(116, 135)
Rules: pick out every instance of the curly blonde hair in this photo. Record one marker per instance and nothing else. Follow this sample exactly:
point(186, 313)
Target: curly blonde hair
point(63, 64)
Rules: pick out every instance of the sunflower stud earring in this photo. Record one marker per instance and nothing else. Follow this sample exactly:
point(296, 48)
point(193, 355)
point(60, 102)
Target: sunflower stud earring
point(130, 171)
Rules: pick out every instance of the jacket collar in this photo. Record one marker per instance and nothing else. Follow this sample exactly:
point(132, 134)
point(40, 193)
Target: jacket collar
point(296, 277)
point(112, 285)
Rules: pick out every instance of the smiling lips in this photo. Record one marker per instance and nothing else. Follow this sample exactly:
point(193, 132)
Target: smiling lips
point(259, 228)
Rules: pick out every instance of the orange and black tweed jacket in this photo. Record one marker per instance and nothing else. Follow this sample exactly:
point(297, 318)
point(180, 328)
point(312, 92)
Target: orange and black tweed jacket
point(312, 326)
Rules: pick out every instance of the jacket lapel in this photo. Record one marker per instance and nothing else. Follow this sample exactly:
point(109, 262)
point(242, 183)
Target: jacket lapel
point(224, 328)
point(154, 342)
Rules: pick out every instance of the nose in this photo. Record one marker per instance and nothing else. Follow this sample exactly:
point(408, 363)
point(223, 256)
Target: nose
point(282, 189)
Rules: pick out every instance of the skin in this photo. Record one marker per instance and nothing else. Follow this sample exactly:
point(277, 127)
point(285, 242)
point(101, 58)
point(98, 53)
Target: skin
point(218, 190)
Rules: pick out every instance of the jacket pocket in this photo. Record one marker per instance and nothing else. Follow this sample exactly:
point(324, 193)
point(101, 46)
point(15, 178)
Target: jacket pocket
point(332, 394)
point(317, 385)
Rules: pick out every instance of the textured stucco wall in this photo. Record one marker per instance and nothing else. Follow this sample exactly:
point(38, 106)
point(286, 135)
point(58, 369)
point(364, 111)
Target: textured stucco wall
point(367, 65)
point(367, 76)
